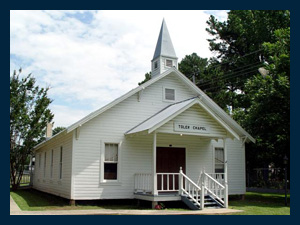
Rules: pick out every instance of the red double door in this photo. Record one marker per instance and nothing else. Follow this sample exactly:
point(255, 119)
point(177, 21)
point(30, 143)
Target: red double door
point(169, 160)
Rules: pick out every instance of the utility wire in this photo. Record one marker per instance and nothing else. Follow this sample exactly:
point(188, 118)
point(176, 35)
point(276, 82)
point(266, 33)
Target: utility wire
point(219, 86)
point(251, 53)
point(229, 75)
point(232, 73)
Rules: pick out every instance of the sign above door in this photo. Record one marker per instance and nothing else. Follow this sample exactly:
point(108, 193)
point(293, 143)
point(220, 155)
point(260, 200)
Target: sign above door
point(194, 128)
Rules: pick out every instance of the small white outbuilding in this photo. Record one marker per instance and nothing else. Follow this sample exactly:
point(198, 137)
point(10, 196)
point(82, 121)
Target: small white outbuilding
point(165, 140)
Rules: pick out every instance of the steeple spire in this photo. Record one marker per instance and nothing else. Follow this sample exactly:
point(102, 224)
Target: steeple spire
point(164, 55)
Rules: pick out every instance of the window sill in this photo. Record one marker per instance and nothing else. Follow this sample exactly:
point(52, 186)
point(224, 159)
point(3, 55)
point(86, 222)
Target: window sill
point(110, 183)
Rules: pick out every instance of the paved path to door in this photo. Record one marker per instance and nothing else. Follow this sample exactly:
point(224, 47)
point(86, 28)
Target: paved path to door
point(15, 210)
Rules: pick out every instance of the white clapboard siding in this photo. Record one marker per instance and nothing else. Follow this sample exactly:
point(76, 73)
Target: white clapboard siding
point(54, 185)
point(195, 115)
point(236, 165)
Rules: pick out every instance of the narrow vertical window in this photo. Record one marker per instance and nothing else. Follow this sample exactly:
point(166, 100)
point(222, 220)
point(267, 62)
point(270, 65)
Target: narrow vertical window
point(45, 159)
point(219, 160)
point(60, 162)
point(111, 162)
point(51, 165)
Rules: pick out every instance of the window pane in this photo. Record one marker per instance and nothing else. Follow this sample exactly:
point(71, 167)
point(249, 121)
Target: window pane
point(169, 63)
point(110, 171)
point(219, 160)
point(169, 94)
point(111, 152)
point(219, 168)
point(219, 155)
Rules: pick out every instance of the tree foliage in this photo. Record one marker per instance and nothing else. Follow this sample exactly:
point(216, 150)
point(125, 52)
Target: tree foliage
point(193, 65)
point(29, 115)
point(147, 77)
point(268, 114)
point(238, 45)
point(56, 130)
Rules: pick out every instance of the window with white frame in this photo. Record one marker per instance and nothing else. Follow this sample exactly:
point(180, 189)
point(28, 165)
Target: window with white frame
point(155, 65)
point(60, 162)
point(219, 160)
point(111, 161)
point(45, 160)
point(51, 164)
point(169, 94)
point(169, 62)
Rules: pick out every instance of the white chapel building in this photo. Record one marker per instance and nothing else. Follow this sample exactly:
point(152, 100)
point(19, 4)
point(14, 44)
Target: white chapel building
point(165, 140)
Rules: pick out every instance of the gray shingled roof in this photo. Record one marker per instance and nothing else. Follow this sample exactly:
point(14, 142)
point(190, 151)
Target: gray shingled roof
point(164, 46)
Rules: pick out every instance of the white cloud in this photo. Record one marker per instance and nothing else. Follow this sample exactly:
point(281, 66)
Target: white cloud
point(64, 116)
point(97, 61)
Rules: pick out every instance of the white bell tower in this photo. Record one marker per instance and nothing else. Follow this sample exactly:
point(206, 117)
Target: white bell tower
point(164, 56)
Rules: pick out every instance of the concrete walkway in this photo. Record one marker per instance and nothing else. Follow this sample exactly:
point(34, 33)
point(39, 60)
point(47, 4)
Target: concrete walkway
point(15, 210)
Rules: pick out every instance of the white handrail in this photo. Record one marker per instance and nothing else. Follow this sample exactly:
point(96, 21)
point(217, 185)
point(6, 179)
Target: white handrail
point(214, 188)
point(220, 177)
point(217, 182)
point(191, 189)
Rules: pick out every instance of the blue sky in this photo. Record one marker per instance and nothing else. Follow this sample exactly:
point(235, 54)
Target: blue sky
point(89, 58)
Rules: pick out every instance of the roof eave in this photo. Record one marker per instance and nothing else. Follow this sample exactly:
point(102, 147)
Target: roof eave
point(43, 143)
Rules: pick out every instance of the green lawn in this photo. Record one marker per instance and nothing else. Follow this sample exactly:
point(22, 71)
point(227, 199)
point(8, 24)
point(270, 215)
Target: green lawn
point(254, 203)
point(32, 200)
point(261, 204)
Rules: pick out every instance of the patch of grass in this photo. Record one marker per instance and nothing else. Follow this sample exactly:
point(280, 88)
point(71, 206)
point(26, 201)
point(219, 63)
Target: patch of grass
point(261, 204)
point(33, 200)
point(254, 203)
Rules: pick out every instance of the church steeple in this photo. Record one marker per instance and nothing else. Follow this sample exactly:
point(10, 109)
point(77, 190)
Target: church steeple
point(164, 55)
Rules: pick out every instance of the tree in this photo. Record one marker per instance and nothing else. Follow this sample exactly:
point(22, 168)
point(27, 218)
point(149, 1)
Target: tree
point(238, 43)
point(29, 115)
point(56, 130)
point(193, 65)
point(268, 97)
point(147, 77)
